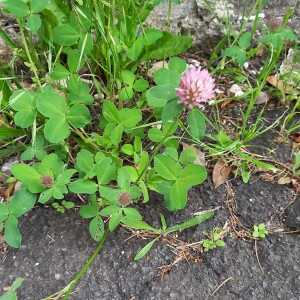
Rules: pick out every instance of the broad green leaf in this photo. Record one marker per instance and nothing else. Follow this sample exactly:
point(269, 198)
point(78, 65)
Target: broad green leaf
point(65, 35)
point(29, 177)
point(130, 117)
point(12, 233)
point(158, 96)
point(126, 93)
point(245, 40)
point(110, 194)
point(34, 23)
point(109, 210)
point(88, 211)
point(45, 196)
point(65, 177)
point(35, 151)
point(110, 112)
point(136, 49)
point(177, 198)
point(155, 135)
point(9, 296)
point(141, 85)
point(82, 186)
point(114, 220)
point(56, 130)
point(24, 102)
point(50, 165)
point(177, 64)
point(126, 175)
point(237, 54)
point(79, 116)
point(85, 161)
point(277, 38)
point(96, 228)
point(127, 149)
point(196, 122)
point(169, 45)
point(188, 155)
point(192, 175)
point(116, 134)
point(16, 284)
point(167, 77)
point(132, 213)
point(59, 72)
point(171, 152)
point(79, 92)
point(17, 8)
point(21, 202)
point(151, 36)
point(105, 171)
point(39, 5)
point(127, 77)
point(171, 110)
point(4, 212)
point(51, 104)
point(144, 190)
point(75, 61)
point(166, 167)
point(142, 252)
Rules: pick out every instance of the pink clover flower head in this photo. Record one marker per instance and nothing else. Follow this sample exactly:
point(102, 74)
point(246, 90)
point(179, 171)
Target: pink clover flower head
point(196, 87)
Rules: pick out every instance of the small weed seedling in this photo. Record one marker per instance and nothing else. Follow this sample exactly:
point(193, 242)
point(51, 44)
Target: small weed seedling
point(259, 231)
point(215, 240)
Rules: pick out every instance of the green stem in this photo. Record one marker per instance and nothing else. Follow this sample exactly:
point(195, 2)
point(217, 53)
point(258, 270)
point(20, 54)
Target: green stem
point(32, 64)
point(66, 291)
point(85, 268)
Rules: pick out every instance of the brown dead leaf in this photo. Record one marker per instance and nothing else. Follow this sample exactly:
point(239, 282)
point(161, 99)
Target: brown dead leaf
point(284, 180)
point(276, 82)
point(221, 173)
point(200, 160)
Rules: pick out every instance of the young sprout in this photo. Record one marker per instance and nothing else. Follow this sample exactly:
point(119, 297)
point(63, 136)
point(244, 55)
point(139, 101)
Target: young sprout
point(214, 241)
point(259, 231)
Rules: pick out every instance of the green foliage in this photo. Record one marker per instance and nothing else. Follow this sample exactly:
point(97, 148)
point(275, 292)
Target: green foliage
point(214, 241)
point(49, 177)
point(164, 93)
point(164, 230)
point(259, 231)
point(92, 123)
point(239, 53)
point(18, 205)
point(11, 294)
